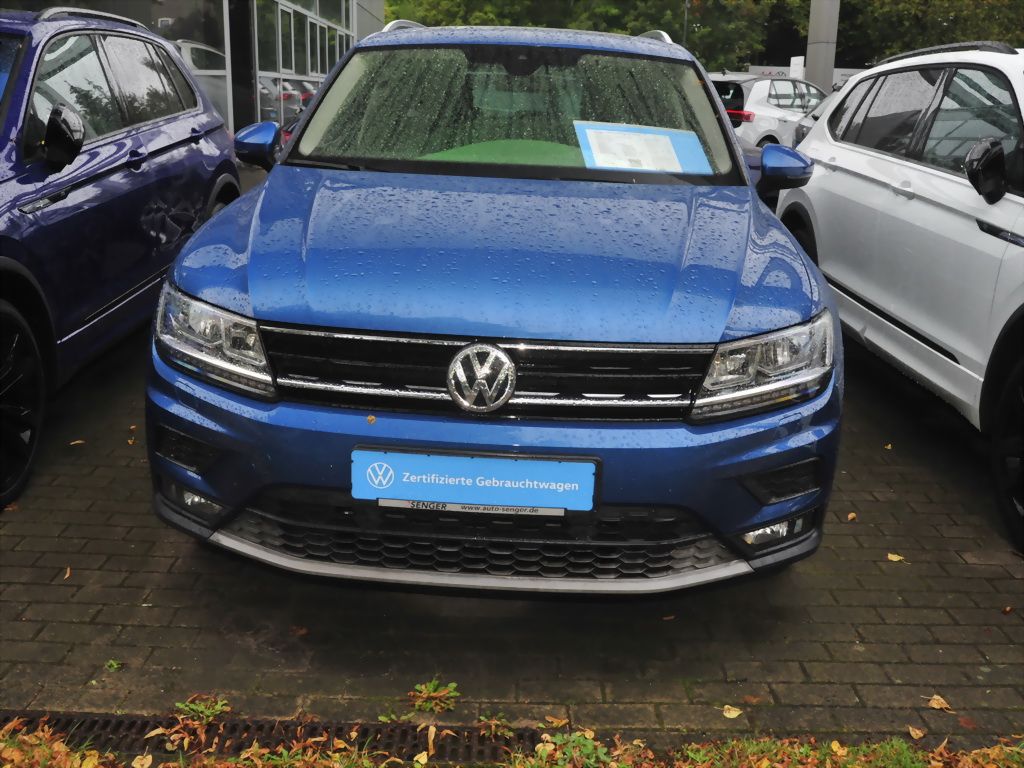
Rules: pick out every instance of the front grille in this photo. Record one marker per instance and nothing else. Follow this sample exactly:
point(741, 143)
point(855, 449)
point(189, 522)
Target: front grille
point(554, 379)
point(609, 543)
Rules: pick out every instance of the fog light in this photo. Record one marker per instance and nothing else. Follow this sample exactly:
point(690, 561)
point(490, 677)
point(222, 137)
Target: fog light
point(766, 534)
point(761, 536)
point(191, 502)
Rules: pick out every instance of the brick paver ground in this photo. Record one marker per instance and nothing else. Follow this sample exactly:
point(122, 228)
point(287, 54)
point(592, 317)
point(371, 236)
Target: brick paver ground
point(844, 642)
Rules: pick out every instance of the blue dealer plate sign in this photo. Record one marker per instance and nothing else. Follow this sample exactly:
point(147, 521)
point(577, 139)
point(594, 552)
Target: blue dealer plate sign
point(472, 483)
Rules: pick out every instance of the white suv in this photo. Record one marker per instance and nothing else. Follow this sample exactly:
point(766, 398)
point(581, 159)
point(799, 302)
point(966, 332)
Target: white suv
point(915, 214)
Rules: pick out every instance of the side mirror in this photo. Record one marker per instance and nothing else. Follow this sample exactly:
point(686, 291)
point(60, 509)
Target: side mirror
point(985, 165)
point(64, 136)
point(782, 168)
point(259, 144)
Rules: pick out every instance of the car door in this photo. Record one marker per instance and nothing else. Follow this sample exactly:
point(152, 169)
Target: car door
point(855, 185)
point(82, 222)
point(940, 245)
point(170, 139)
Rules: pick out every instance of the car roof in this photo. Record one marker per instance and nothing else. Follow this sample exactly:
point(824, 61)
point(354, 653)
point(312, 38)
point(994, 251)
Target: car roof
point(28, 22)
point(734, 77)
point(963, 55)
point(561, 38)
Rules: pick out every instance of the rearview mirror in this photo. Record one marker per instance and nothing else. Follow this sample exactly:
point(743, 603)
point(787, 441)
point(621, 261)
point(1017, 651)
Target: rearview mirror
point(64, 136)
point(259, 144)
point(985, 166)
point(782, 168)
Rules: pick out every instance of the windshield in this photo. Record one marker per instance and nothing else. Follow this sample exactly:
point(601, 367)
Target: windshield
point(517, 111)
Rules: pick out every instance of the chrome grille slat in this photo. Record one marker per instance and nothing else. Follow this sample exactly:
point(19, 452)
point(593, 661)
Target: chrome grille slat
point(554, 379)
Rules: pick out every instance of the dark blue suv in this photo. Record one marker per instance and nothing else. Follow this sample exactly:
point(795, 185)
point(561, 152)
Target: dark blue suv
point(111, 158)
point(507, 313)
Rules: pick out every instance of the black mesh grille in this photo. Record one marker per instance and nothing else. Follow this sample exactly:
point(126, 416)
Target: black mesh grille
point(554, 379)
point(610, 543)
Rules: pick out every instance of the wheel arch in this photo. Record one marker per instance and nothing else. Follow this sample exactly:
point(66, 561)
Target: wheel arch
point(19, 287)
point(1005, 353)
point(225, 187)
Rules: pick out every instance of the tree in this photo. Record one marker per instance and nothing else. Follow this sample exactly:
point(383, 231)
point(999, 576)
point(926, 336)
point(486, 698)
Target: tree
point(733, 33)
point(721, 33)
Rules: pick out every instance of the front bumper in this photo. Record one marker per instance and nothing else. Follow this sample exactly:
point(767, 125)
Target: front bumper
point(671, 502)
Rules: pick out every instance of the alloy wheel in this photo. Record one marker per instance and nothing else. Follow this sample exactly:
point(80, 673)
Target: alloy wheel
point(22, 398)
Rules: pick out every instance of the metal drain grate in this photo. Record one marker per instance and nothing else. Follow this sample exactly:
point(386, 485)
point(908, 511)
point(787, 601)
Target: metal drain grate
point(125, 734)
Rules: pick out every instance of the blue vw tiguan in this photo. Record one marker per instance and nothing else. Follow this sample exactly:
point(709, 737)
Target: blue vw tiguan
point(507, 313)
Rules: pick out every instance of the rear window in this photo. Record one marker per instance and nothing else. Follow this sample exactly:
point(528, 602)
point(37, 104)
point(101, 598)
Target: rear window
point(731, 94)
point(506, 108)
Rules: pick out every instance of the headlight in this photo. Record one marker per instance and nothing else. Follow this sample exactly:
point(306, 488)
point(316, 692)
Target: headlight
point(769, 371)
point(216, 345)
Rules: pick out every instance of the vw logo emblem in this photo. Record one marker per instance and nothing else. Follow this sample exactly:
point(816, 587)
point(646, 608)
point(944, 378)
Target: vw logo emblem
point(481, 378)
point(380, 475)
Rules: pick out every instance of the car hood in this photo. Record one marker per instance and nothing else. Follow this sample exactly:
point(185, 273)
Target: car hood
point(512, 258)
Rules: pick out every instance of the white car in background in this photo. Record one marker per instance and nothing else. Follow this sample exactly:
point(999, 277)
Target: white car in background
point(765, 109)
point(915, 215)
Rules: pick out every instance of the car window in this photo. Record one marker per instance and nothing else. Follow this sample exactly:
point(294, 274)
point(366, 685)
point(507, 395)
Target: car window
point(888, 123)
point(9, 47)
point(784, 95)
point(812, 96)
point(70, 72)
point(185, 90)
point(978, 104)
point(841, 117)
point(203, 58)
point(498, 106)
point(143, 80)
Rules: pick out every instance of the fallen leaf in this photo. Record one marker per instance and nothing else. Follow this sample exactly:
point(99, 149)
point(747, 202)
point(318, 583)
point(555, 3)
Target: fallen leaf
point(915, 733)
point(11, 507)
point(888, 447)
point(667, 618)
point(421, 758)
point(1007, 609)
point(371, 419)
point(852, 517)
point(67, 572)
point(839, 749)
point(897, 558)
point(155, 732)
point(430, 740)
point(966, 722)
point(556, 722)
point(731, 711)
point(131, 440)
point(77, 442)
point(142, 761)
point(937, 702)
point(751, 699)
point(297, 630)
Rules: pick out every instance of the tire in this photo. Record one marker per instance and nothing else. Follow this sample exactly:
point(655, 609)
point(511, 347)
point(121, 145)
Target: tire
point(1007, 450)
point(766, 141)
point(22, 401)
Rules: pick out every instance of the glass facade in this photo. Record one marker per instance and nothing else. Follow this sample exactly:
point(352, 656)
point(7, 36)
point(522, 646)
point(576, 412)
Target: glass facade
point(255, 59)
point(298, 42)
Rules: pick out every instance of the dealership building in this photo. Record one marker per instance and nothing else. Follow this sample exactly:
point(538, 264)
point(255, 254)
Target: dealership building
point(256, 59)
